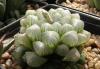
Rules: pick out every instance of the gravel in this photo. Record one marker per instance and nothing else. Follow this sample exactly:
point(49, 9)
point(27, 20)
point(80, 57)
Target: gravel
point(82, 6)
point(97, 65)
point(92, 53)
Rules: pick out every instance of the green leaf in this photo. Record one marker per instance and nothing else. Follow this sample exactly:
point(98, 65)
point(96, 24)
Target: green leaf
point(73, 55)
point(34, 60)
point(34, 32)
point(62, 50)
point(50, 38)
point(70, 38)
point(22, 39)
point(41, 49)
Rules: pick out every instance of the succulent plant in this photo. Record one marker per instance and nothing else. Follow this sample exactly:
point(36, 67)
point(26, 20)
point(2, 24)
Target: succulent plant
point(49, 42)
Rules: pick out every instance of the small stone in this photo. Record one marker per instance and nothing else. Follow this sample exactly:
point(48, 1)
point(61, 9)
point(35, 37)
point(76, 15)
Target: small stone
point(89, 58)
point(99, 50)
point(91, 68)
point(6, 55)
point(88, 48)
point(98, 56)
point(9, 62)
point(3, 66)
point(97, 65)
point(95, 60)
point(90, 42)
point(95, 50)
point(86, 61)
point(93, 54)
point(2, 61)
point(90, 64)
point(86, 66)
point(97, 44)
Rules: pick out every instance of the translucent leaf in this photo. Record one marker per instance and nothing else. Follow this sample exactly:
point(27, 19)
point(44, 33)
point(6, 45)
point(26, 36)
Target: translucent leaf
point(75, 15)
point(22, 30)
point(22, 39)
point(23, 22)
point(41, 49)
point(73, 55)
point(70, 38)
point(18, 53)
point(78, 25)
point(34, 32)
point(31, 19)
point(50, 38)
point(62, 50)
point(66, 28)
point(46, 27)
point(34, 60)
point(57, 27)
point(65, 19)
point(82, 38)
point(88, 34)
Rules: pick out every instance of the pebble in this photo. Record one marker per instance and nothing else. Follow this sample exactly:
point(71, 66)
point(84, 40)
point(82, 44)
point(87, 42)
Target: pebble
point(95, 60)
point(88, 48)
point(97, 44)
point(86, 61)
point(90, 64)
point(99, 50)
point(95, 50)
point(91, 68)
point(86, 66)
point(6, 55)
point(83, 2)
point(2, 61)
point(92, 57)
point(97, 65)
point(90, 42)
point(9, 63)
point(98, 56)
point(93, 54)
point(89, 58)
point(3, 66)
